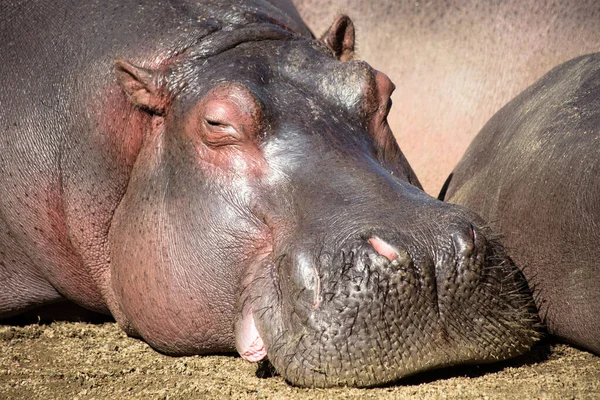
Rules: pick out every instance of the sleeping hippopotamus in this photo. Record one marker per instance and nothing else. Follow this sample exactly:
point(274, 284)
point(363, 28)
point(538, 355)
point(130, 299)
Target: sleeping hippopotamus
point(216, 179)
point(456, 63)
point(534, 171)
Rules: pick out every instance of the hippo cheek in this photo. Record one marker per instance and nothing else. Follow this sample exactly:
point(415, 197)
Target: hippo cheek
point(177, 290)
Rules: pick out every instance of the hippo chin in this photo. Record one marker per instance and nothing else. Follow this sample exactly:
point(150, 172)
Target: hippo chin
point(231, 182)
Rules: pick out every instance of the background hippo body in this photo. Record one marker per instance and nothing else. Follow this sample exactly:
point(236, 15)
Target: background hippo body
point(456, 63)
point(533, 172)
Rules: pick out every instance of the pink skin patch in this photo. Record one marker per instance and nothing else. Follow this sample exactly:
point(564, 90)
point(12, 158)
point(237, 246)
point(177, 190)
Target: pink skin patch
point(248, 341)
point(383, 248)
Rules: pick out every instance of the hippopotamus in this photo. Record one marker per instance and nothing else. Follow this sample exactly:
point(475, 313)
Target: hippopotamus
point(533, 171)
point(455, 64)
point(217, 179)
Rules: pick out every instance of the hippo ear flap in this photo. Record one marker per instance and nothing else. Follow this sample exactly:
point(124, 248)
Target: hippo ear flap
point(141, 87)
point(340, 38)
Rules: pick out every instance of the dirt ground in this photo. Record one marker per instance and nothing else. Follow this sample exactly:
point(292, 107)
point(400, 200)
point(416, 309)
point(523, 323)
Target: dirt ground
point(75, 360)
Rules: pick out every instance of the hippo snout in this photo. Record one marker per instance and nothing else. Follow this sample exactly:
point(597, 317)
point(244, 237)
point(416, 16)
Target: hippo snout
point(384, 305)
point(463, 254)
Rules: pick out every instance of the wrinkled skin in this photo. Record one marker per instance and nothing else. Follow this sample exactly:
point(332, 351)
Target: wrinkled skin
point(456, 63)
point(217, 179)
point(534, 170)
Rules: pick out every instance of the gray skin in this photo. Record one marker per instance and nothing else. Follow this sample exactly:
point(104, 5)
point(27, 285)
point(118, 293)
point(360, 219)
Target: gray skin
point(456, 63)
point(217, 179)
point(534, 172)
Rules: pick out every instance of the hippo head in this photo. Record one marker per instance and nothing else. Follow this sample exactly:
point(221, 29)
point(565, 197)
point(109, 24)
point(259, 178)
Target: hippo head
point(270, 209)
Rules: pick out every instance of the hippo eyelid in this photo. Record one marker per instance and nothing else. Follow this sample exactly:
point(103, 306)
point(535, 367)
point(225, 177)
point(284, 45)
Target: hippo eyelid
point(219, 134)
point(213, 123)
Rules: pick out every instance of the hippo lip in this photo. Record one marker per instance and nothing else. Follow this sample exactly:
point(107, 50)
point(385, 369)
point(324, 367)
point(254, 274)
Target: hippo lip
point(248, 341)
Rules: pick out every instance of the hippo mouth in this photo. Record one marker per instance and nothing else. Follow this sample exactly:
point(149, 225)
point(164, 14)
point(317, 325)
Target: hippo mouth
point(386, 312)
point(248, 341)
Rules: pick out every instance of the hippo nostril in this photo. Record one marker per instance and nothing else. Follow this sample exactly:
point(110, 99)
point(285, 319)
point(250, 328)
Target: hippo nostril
point(384, 248)
point(465, 241)
point(473, 233)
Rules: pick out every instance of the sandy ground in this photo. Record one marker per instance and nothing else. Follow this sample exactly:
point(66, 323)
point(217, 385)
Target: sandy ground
point(75, 360)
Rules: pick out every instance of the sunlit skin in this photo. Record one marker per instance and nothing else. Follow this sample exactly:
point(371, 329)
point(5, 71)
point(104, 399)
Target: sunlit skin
point(230, 183)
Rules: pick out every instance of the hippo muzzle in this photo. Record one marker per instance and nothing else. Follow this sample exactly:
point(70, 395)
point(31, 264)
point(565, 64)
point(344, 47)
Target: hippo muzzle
point(387, 284)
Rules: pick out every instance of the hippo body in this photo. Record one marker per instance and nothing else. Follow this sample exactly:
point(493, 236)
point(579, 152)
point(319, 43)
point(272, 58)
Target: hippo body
point(455, 64)
point(216, 179)
point(534, 173)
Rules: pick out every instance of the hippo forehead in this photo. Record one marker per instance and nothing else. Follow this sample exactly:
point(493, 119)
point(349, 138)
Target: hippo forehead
point(347, 84)
point(275, 70)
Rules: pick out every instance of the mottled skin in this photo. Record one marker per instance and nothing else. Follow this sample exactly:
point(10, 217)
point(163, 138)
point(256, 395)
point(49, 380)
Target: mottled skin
point(455, 63)
point(217, 179)
point(534, 172)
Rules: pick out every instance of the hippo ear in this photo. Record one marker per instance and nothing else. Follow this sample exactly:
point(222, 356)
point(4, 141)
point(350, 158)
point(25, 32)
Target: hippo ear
point(140, 86)
point(340, 38)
